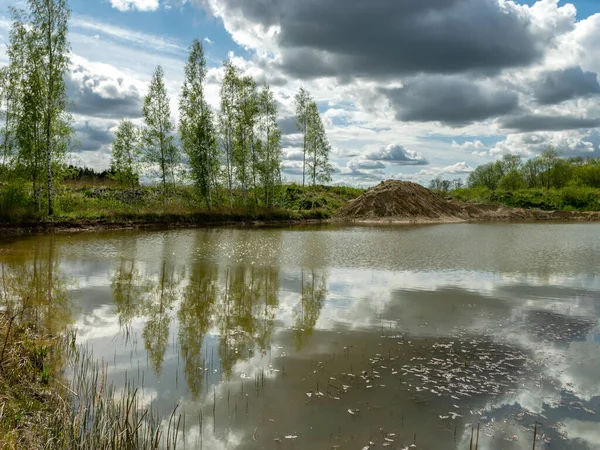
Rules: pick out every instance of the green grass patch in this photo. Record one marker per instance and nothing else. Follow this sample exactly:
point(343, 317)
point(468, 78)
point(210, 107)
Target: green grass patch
point(569, 198)
point(113, 205)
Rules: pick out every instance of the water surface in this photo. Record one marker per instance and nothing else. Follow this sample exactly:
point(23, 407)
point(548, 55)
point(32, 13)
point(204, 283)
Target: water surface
point(339, 337)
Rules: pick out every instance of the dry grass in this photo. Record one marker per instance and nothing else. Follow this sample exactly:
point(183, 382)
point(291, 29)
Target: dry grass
point(41, 409)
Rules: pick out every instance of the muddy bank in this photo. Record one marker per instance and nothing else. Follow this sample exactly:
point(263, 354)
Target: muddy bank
point(79, 225)
point(405, 202)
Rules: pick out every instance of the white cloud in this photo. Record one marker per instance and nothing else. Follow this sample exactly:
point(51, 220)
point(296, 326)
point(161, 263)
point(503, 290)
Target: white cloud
point(126, 35)
point(468, 145)
point(140, 5)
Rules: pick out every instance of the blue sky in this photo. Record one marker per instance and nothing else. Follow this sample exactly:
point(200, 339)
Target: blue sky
point(408, 90)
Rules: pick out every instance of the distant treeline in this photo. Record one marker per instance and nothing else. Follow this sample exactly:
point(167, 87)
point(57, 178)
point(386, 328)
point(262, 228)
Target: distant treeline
point(548, 170)
point(546, 182)
point(512, 173)
point(88, 174)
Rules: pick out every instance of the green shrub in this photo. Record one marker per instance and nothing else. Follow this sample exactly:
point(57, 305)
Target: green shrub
point(15, 203)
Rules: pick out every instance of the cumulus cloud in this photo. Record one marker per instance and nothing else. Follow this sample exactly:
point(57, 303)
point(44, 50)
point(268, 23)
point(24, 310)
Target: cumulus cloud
point(453, 100)
point(359, 164)
point(320, 38)
point(457, 170)
point(293, 167)
point(396, 154)
point(570, 143)
point(565, 84)
point(98, 95)
point(140, 5)
point(94, 135)
point(292, 155)
point(469, 145)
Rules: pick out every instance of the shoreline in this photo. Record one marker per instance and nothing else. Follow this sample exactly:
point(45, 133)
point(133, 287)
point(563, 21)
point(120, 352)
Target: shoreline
point(483, 214)
point(92, 225)
point(501, 214)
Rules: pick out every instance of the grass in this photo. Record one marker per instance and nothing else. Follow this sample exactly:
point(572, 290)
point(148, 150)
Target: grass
point(81, 204)
point(569, 198)
point(41, 409)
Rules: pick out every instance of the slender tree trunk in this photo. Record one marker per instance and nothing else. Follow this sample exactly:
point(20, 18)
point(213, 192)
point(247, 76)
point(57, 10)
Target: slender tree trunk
point(303, 164)
point(5, 146)
point(314, 175)
point(49, 113)
point(163, 169)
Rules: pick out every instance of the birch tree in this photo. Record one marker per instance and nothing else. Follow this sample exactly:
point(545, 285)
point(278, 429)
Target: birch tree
point(270, 164)
point(25, 106)
point(302, 102)
point(125, 158)
point(49, 25)
point(244, 155)
point(198, 135)
point(227, 120)
point(159, 147)
point(319, 149)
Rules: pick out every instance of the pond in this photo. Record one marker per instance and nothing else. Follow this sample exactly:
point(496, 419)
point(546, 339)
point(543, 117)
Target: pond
point(339, 336)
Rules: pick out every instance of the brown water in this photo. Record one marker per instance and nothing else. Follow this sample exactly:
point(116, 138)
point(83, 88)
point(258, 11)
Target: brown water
point(339, 337)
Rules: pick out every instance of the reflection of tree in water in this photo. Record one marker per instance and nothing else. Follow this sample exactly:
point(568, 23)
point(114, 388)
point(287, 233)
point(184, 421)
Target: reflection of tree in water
point(157, 306)
point(127, 290)
point(312, 298)
point(195, 314)
point(246, 318)
point(148, 293)
point(33, 290)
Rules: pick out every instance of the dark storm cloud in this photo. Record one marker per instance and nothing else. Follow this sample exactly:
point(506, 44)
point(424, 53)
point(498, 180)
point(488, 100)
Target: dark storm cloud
point(99, 96)
point(453, 100)
point(381, 38)
point(398, 155)
point(559, 85)
point(540, 122)
point(92, 137)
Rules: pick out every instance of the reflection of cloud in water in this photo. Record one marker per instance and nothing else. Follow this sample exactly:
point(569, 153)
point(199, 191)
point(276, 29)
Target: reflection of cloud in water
point(584, 432)
point(508, 285)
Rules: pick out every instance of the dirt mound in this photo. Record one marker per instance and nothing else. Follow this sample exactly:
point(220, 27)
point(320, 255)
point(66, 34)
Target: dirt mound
point(402, 201)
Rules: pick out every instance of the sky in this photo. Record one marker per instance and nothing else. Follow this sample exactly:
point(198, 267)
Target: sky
point(409, 90)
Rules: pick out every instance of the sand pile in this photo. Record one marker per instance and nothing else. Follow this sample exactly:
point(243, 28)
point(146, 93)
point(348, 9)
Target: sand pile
point(406, 202)
point(402, 201)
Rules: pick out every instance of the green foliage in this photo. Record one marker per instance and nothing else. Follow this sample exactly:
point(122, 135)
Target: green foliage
point(15, 202)
point(511, 181)
point(198, 134)
point(548, 171)
point(269, 147)
point(570, 198)
point(160, 152)
point(315, 145)
point(125, 157)
point(587, 174)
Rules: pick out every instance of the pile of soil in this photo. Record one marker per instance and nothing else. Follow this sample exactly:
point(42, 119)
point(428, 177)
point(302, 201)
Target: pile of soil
point(402, 201)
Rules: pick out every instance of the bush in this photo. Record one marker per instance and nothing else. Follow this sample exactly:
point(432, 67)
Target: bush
point(581, 198)
point(512, 181)
point(15, 203)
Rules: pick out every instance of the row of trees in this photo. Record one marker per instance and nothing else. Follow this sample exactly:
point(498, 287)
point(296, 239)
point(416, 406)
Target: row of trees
point(240, 149)
point(548, 170)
